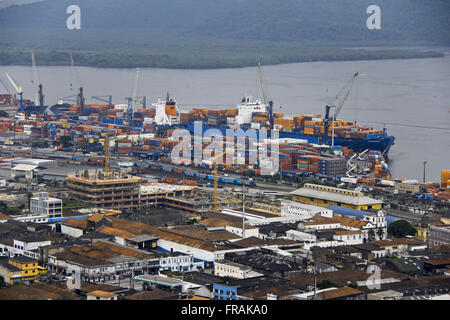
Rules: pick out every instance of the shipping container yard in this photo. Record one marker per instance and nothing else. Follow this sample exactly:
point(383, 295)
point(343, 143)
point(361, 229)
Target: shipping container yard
point(207, 186)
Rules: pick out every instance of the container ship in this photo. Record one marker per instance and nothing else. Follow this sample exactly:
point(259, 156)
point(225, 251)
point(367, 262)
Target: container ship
point(254, 114)
point(328, 130)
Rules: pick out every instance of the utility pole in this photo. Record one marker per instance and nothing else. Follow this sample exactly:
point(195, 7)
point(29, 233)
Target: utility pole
point(315, 280)
point(332, 133)
point(424, 164)
point(243, 210)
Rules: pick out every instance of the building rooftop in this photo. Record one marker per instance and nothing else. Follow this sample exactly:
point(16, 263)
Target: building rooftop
point(102, 294)
point(23, 259)
point(4, 217)
point(103, 250)
point(76, 223)
point(338, 293)
point(37, 291)
point(155, 294)
point(116, 232)
point(335, 195)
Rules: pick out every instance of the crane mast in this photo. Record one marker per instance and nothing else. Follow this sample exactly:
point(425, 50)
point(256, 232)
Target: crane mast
point(40, 92)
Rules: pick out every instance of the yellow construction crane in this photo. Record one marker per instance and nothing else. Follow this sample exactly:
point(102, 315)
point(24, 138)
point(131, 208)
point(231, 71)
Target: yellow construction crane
point(106, 156)
point(216, 202)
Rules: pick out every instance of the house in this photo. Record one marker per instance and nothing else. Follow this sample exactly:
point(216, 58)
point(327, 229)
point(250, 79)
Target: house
point(154, 294)
point(344, 293)
point(398, 247)
point(74, 227)
point(358, 278)
point(235, 289)
point(234, 270)
point(4, 218)
point(103, 260)
point(37, 291)
point(435, 267)
point(18, 269)
point(385, 295)
point(203, 281)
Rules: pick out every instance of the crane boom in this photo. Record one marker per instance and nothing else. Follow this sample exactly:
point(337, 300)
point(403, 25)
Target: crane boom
point(16, 87)
point(35, 70)
point(5, 86)
point(337, 105)
point(261, 82)
point(342, 96)
point(101, 98)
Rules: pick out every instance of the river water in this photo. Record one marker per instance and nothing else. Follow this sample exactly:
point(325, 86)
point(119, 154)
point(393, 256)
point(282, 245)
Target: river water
point(410, 97)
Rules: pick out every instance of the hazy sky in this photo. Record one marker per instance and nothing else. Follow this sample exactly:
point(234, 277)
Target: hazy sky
point(7, 3)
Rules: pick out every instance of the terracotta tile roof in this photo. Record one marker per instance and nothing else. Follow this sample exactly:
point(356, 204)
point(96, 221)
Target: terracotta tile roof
point(76, 223)
point(95, 217)
point(218, 222)
point(438, 262)
point(116, 232)
point(155, 294)
point(4, 216)
point(103, 294)
point(104, 250)
point(338, 293)
point(165, 233)
point(36, 291)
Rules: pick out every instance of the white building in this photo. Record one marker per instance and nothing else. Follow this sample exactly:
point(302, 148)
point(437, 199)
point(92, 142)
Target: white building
point(45, 205)
point(300, 236)
point(306, 211)
point(177, 261)
point(234, 270)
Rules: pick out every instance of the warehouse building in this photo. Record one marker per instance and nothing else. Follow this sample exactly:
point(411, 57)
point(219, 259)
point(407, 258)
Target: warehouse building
point(325, 196)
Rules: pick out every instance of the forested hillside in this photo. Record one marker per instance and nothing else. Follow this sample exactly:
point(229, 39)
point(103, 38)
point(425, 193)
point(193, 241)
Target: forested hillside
point(211, 33)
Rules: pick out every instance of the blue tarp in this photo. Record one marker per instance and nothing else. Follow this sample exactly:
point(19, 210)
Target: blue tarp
point(357, 214)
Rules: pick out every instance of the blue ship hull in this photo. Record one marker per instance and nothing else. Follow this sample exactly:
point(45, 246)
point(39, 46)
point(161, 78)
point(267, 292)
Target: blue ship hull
point(377, 142)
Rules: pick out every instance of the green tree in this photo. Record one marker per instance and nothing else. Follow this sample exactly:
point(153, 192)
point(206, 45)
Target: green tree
point(371, 234)
point(380, 233)
point(65, 141)
point(401, 228)
point(328, 284)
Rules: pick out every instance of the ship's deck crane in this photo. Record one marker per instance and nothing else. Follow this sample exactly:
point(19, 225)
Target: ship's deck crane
point(18, 89)
point(80, 100)
point(131, 100)
point(102, 98)
point(261, 81)
point(337, 105)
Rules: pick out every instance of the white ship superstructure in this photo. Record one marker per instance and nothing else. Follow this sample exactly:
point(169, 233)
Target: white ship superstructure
point(246, 108)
